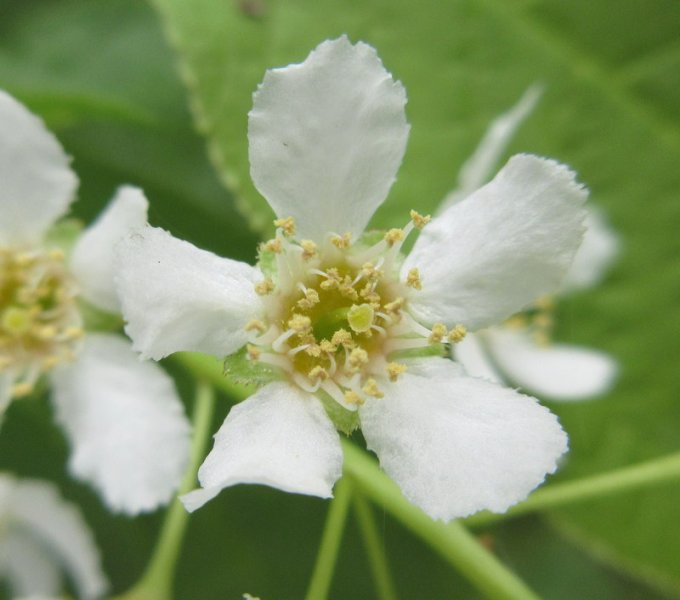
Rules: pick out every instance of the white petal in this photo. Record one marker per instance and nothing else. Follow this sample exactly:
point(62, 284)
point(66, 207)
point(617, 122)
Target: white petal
point(479, 167)
point(281, 437)
point(327, 137)
point(177, 297)
point(558, 371)
point(599, 249)
point(472, 354)
point(502, 247)
point(29, 568)
point(36, 183)
point(36, 508)
point(126, 425)
point(93, 254)
point(457, 445)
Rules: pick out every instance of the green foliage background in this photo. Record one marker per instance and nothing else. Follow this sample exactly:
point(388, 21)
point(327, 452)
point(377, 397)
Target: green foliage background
point(103, 76)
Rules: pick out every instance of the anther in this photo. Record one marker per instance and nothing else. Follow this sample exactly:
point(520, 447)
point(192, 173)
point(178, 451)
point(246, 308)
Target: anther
point(342, 337)
point(351, 397)
point(371, 389)
point(419, 220)
point(457, 334)
point(264, 287)
point(328, 347)
point(21, 389)
point(438, 333)
point(274, 245)
point(309, 249)
point(255, 325)
point(393, 236)
point(394, 306)
point(413, 279)
point(318, 373)
point(311, 298)
point(358, 357)
point(341, 241)
point(253, 352)
point(395, 369)
point(287, 225)
point(300, 323)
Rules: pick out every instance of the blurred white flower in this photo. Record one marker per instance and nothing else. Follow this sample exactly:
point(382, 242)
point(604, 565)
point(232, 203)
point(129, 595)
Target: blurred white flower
point(520, 352)
point(336, 317)
point(43, 536)
point(123, 418)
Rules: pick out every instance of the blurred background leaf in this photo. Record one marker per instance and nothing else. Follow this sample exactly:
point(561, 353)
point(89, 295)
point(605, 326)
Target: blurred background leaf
point(102, 76)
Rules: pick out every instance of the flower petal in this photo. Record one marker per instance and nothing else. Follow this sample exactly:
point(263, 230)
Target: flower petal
point(281, 437)
point(599, 249)
point(502, 247)
point(327, 137)
point(37, 183)
point(125, 422)
point(470, 353)
point(36, 508)
point(177, 297)
point(456, 444)
point(93, 255)
point(477, 169)
point(29, 569)
point(558, 371)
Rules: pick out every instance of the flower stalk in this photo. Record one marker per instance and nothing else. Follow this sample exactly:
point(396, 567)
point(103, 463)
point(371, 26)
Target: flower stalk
point(156, 582)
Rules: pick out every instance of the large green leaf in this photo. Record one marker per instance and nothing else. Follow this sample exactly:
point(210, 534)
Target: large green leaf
point(610, 110)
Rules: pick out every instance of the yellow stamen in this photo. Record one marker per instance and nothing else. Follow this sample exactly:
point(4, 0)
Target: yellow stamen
point(413, 279)
point(274, 245)
point(264, 287)
point(313, 350)
point(342, 337)
point(341, 241)
point(255, 325)
point(16, 321)
point(309, 249)
point(21, 389)
point(318, 372)
point(357, 358)
point(300, 323)
point(457, 334)
point(393, 236)
point(395, 306)
point(287, 225)
point(395, 369)
point(371, 389)
point(351, 397)
point(438, 333)
point(327, 346)
point(311, 298)
point(419, 220)
point(253, 352)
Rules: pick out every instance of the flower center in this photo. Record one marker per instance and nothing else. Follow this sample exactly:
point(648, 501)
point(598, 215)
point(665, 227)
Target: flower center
point(40, 325)
point(336, 315)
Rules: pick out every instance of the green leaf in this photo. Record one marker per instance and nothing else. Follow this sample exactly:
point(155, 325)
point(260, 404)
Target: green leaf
point(610, 110)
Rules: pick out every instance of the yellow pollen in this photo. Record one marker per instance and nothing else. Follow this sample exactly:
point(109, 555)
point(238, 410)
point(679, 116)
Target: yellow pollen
point(314, 350)
point(16, 321)
point(543, 320)
point(419, 220)
point(253, 352)
point(438, 333)
point(5, 361)
point(541, 338)
point(273, 246)
point(413, 279)
point(360, 318)
point(25, 259)
point(21, 389)
point(371, 389)
point(74, 333)
point(318, 372)
point(341, 241)
point(311, 298)
point(326, 346)
point(300, 323)
point(545, 303)
point(347, 290)
point(56, 254)
point(50, 362)
point(46, 332)
point(351, 397)
point(342, 337)
point(308, 249)
point(357, 358)
point(264, 287)
point(457, 334)
point(255, 325)
point(393, 236)
point(395, 369)
point(516, 322)
point(287, 225)
point(394, 306)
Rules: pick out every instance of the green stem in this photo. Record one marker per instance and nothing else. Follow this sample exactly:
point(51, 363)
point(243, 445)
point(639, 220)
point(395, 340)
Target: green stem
point(320, 582)
point(376, 555)
point(156, 582)
point(659, 470)
point(452, 541)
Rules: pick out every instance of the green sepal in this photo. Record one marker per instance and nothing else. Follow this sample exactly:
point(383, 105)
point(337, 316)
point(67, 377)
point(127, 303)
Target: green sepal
point(266, 262)
point(240, 369)
point(440, 350)
point(345, 421)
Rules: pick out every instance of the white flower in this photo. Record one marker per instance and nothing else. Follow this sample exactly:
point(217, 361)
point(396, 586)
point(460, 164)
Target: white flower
point(125, 423)
point(41, 536)
point(520, 352)
point(334, 316)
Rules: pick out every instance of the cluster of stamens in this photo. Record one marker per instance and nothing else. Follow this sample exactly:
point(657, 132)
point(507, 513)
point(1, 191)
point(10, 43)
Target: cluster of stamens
point(539, 319)
point(337, 314)
point(40, 325)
